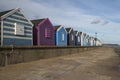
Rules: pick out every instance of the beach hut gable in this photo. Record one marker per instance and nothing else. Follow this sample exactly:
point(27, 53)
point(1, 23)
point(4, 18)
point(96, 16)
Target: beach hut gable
point(16, 28)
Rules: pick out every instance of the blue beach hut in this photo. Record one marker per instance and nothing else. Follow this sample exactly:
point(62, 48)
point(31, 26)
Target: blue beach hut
point(60, 36)
point(15, 28)
point(77, 38)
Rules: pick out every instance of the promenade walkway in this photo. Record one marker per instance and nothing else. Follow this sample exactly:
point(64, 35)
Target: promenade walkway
point(98, 64)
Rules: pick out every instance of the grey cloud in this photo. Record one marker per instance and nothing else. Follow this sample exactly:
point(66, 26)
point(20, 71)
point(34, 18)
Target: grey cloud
point(96, 21)
point(105, 22)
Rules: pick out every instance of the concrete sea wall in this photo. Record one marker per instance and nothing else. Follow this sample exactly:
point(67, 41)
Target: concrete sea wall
point(15, 54)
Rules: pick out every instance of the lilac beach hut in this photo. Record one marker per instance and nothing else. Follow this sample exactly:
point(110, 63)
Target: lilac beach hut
point(43, 32)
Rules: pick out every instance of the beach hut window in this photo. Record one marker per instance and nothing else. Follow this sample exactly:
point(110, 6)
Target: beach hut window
point(47, 33)
point(63, 36)
point(19, 29)
point(78, 39)
point(72, 37)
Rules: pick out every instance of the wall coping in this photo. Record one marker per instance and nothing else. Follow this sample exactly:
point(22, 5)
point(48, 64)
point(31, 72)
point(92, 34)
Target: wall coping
point(43, 47)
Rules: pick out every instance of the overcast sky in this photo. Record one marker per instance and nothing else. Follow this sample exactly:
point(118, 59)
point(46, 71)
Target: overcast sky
point(89, 16)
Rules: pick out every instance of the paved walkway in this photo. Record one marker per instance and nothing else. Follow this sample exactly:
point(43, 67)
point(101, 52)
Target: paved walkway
point(99, 64)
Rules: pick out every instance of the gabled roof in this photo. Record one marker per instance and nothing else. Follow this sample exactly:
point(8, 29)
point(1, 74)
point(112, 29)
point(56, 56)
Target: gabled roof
point(81, 33)
point(68, 29)
point(75, 32)
point(5, 12)
point(37, 21)
point(57, 27)
point(87, 36)
point(84, 34)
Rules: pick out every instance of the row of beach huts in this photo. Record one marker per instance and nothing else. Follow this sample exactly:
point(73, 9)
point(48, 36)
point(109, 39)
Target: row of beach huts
point(16, 29)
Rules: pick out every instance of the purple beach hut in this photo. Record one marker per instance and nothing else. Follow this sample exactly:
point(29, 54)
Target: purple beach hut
point(43, 32)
